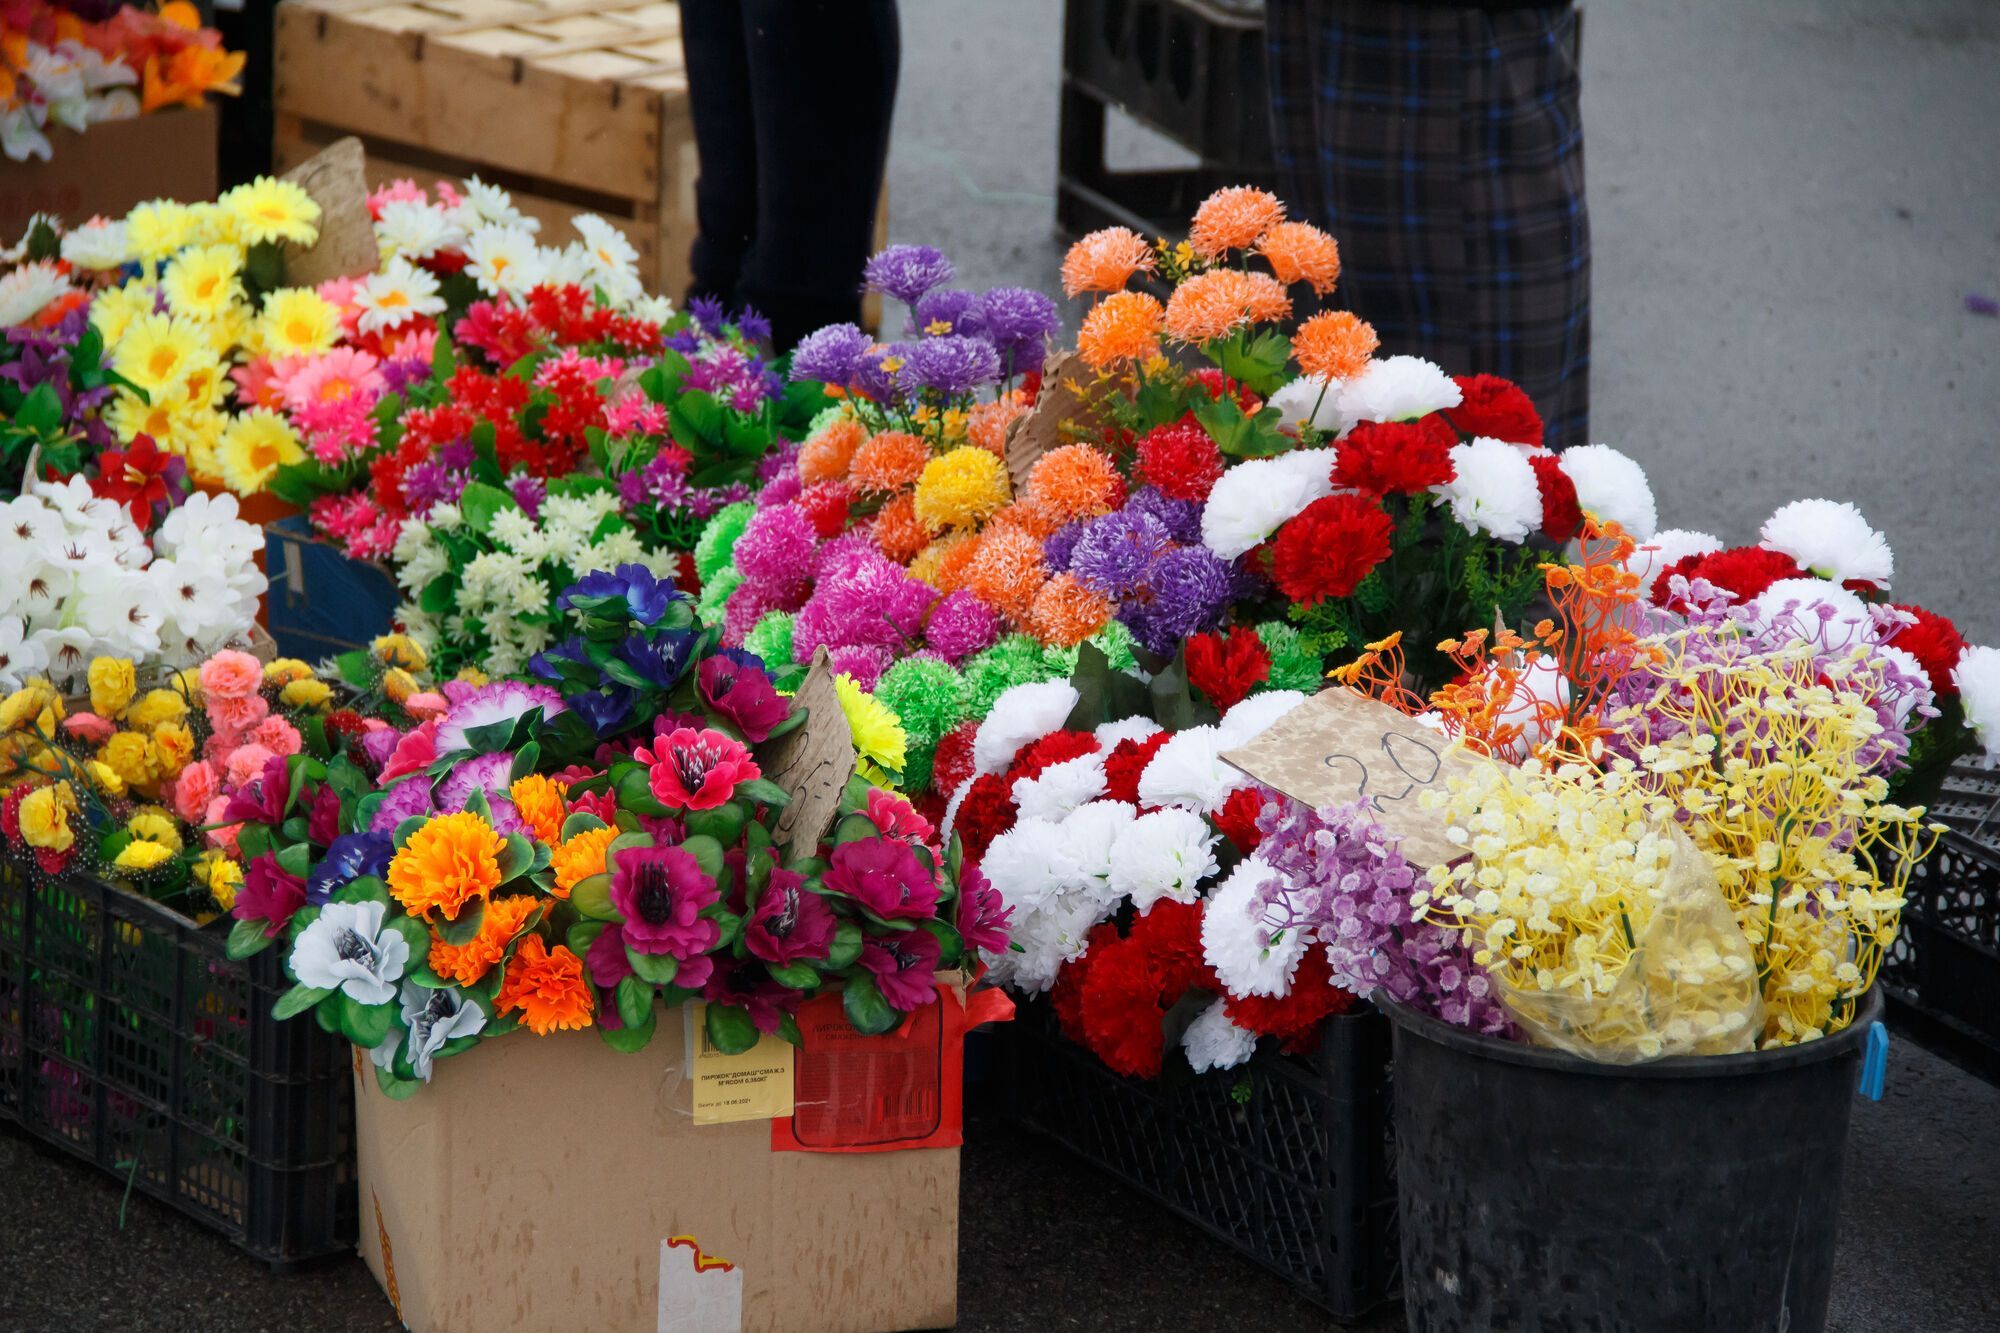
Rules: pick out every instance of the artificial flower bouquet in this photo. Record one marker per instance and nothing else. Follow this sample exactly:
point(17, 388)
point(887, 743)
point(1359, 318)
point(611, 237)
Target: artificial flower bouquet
point(75, 63)
point(1683, 841)
point(572, 852)
point(148, 787)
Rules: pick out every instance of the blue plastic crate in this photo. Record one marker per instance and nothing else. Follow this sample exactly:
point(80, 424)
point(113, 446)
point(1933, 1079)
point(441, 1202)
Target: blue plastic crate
point(321, 602)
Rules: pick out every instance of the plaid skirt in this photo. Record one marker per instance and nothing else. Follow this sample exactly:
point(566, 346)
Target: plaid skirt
point(1443, 148)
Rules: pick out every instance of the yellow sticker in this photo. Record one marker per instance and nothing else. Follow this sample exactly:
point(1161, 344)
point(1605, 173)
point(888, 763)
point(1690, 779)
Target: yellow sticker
point(756, 1085)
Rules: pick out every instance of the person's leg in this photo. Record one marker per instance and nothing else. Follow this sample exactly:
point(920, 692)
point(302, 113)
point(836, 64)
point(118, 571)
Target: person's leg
point(725, 194)
point(823, 79)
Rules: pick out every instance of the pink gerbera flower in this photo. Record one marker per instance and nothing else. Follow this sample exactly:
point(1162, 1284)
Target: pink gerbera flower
point(344, 372)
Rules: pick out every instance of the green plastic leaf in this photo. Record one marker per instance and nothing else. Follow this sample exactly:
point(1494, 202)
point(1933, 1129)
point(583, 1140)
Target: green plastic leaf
point(246, 939)
point(480, 503)
point(592, 898)
point(466, 928)
point(295, 859)
point(635, 1002)
point(629, 1039)
point(865, 1008)
point(796, 975)
point(583, 934)
point(707, 853)
point(299, 999)
point(847, 943)
point(724, 823)
point(517, 857)
point(730, 1029)
point(656, 968)
point(764, 792)
point(580, 822)
point(365, 1024)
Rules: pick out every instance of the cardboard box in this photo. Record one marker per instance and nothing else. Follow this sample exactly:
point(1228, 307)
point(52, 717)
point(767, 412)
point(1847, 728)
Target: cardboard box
point(111, 167)
point(550, 1183)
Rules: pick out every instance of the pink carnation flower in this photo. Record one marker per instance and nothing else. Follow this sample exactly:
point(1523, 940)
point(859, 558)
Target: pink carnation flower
point(246, 764)
point(276, 735)
point(231, 674)
point(195, 790)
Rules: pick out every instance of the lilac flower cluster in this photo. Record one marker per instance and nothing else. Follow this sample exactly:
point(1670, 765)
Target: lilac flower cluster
point(1342, 879)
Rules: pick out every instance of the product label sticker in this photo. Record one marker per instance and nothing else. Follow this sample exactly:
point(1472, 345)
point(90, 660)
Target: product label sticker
point(755, 1085)
point(1339, 747)
point(699, 1292)
point(813, 762)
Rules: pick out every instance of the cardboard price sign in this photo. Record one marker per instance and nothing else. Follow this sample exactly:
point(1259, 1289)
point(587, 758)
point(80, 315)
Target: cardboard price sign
point(1039, 429)
point(336, 180)
point(1339, 747)
point(814, 762)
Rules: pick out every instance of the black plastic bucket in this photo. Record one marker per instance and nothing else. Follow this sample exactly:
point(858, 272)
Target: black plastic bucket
point(1541, 1192)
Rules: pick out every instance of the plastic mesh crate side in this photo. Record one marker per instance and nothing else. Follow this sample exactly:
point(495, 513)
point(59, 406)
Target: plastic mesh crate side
point(1193, 71)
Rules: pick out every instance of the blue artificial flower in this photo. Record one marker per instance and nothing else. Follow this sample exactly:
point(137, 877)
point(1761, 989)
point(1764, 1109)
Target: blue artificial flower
point(547, 663)
point(661, 659)
point(606, 710)
point(646, 595)
point(708, 313)
point(350, 856)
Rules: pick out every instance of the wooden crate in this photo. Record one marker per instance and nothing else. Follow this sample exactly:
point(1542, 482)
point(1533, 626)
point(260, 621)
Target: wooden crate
point(573, 106)
point(111, 167)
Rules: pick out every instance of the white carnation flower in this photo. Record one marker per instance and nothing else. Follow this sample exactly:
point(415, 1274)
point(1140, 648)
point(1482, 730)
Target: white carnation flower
point(1832, 539)
point(1493, 490)
point(1060, 788)
point(1253, 499)
point(1188, 772)
point(1612, 487)
point(1026, 864)
point(1234, 937)
point(1397, 388)
point(1256, 714)
point(1129, 729)
point(1977, 676)
point(1088, 838)
point(1021, 714)
point(1165, 854)
point(1309, 400)
point(1213, 1042)
point(1667, 548)
point(1907, 701)
point(1048, 937)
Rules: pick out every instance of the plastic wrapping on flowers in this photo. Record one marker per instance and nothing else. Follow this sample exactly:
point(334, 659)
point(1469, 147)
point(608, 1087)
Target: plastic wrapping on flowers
point(574, 850)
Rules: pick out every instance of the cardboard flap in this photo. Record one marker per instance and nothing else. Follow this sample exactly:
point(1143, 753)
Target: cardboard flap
point(1039, 429)
point(336, 179)
point(813, 762)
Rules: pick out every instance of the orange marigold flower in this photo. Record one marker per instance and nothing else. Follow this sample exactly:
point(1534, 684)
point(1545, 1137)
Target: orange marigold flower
point(898, 531)
point(954, 561)
point(1008, 571)
point(1335, 345)
point(1234, 218)
point(1075, 481)
point(467, 963)
point(890, 461)
point(1301, 252)
point(547, 986)
point(580, 857)
point(539, 800)
point(986, 426)
point(447, 863)
point(1124, 326)
point(1105, 261)
point(1214, 304)
point(827, 454)
point(1066, 612)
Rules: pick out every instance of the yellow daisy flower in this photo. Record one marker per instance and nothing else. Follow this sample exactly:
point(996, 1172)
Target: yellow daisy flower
point(115, 308)
point(878, 732)
point(203, 282)
point(253, 448)
point(298, 321)
point(272, 210)
point(158, 352)
point(154, 231)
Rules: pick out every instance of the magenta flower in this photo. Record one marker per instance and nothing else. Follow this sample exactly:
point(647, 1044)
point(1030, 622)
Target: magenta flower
point(884, 876)
point(263, 800)
point(269, 894)
point(743, 694)
point(697, 770)
point(789, 924)
point(748, 986)
point(608, 966)
point(983, 915)
point(902, 965)
point(323, 822)
point(660, 891)
point(896, 817)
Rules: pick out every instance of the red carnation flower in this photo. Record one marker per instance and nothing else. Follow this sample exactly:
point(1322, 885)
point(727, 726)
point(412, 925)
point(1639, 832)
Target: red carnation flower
point(1496, 408)
point(1329, 548)
point(1936, 644)
point(1562, 516)
point(686, 577)
point(1743, 570)
point(1295, 1018)
point(1221, 386)
point(952, 762)
point(1396, 457)
point(825, 506)
point(1127, 760)
point(1238, 818)
point(1180, 459)
point(1132, 983)
point(1054, 748)
point(1067, 995)
point(986, 812)
point(1227, 668)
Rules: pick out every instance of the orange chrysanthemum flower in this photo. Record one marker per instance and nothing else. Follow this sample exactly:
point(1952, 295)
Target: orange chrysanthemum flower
point(954, 562)
point(986, 425)
point(446, 864)
point(828, 453)
point(1105, 261)
point(467, 963)
point(540, 802)
point(1075, 481)
point(580, 857)
point(1216, 303)
point(928, 562)
point(898, 531)
point(1008, 571)
point(890, 461)
point(1234, 218)
point(1335, 345)
point(1301, 252)
point(547, 986)
point(1066, 612)
point(1032, 519)
point(1124, 326)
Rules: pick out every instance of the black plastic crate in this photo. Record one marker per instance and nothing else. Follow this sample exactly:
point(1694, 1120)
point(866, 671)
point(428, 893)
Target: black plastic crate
point(129, 1038)
point(1286, 1160)
point(1942, 975)
point(1193, 70)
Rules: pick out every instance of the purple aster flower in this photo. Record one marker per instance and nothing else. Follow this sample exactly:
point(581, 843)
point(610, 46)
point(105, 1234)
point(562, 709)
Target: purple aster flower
point(408, 799)
point(873, 377)
point(400, 374)
point(1190, 591)
point(753, 326)
point(1182, 517)
point(953, 365)
point(631, 488)
point(1116, 552)
point(1020, 323)
point(831, 355)
point(1058, 546)
point(707, 312)
point(687, 342)
point(906, 272)
point(529, 492)
point(960, 626)
point(947, 305)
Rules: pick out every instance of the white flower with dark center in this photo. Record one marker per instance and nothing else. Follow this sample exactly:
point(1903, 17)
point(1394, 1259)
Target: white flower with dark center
point(1493, 490)
point(1239, 943)
point(435, 1017)
point(1832, 539)
point(1213, 1042)
point(346, 949)
point(67, 649)
point(20, 656)
point(1165, 854)
point(1977, 676)
point(1397, 388)
point(1254, 499)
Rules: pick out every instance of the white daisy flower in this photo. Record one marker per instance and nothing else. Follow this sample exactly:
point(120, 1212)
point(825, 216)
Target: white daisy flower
point(504, 261)
point(411, 230)
point(398, 294)
point(492, 204)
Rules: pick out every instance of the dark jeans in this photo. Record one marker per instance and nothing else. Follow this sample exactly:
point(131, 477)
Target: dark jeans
point(792, 101)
